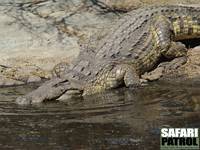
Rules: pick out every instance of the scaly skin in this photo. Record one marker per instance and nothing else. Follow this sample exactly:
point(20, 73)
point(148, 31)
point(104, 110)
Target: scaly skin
point(134, 46)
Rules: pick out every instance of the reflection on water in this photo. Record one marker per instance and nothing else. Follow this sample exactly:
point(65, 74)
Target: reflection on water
point(118, 119)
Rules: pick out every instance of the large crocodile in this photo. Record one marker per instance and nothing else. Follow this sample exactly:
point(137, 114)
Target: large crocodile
point(135, 45)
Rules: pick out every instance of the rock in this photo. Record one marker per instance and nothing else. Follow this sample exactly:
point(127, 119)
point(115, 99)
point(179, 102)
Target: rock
point(193, 56)
point(25, 73)
point(192, 67)
point(127, 5)
point(153, 75)
point(43, 34)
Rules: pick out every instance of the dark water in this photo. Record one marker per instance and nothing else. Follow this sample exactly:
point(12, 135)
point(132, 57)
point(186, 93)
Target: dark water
point(119, 119)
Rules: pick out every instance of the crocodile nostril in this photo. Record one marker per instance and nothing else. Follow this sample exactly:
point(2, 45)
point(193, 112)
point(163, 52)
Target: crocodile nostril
point(136, 56)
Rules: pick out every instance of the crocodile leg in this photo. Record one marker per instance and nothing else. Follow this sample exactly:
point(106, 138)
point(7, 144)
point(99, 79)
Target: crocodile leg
point(163, 68)
point(177, 52)
point(131, 78)
point(118, 75)
point(164, 35)
point(162, 31)
point(177, 49)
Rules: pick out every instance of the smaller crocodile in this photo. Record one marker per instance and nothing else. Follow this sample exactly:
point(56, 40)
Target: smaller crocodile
point(135, 45)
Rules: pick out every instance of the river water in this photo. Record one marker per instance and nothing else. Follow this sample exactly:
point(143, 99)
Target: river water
point(118, 119)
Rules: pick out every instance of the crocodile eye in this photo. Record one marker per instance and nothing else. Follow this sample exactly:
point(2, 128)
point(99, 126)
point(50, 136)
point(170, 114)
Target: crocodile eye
point(82, 69)
point(113, 56)
point(129, 55)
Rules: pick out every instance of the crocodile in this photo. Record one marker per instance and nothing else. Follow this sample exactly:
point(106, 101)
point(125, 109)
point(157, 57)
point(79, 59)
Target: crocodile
point(138, 42)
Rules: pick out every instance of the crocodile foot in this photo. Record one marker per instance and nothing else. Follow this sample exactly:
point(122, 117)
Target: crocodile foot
point(164, 68)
